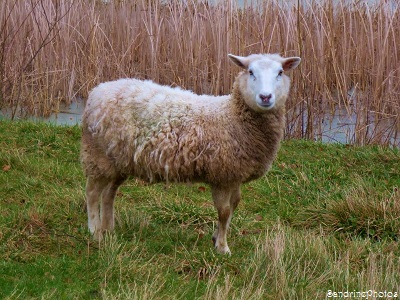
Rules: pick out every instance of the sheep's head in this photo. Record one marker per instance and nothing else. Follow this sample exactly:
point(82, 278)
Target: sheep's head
point(264, 84)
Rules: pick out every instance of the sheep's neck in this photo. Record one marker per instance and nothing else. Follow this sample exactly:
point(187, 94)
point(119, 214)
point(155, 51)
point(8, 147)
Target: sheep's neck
point(270, 125)
point(258, 135)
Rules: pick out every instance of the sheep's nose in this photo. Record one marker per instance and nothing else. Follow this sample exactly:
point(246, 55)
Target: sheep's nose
point(265, 98)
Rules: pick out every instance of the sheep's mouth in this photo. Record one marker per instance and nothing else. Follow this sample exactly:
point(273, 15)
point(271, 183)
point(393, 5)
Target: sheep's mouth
point(266, 104)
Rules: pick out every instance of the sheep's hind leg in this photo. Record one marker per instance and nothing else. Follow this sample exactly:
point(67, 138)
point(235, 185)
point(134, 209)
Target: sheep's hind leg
point(226, 200)
point(107, 204)
point(94, 189)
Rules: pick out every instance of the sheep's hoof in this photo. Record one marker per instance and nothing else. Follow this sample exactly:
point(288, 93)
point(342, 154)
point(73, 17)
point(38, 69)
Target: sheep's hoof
point(220, 248)
point(98, 235)
point(224, 250)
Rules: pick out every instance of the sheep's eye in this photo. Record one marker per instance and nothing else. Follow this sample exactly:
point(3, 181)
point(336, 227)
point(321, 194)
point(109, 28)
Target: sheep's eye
point(251, 73)
point(280, 73)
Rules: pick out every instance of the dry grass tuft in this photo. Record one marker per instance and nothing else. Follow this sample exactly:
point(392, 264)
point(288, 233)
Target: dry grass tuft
point(361, 213)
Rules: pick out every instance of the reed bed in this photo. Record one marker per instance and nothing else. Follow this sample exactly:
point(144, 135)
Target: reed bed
point(56, 51)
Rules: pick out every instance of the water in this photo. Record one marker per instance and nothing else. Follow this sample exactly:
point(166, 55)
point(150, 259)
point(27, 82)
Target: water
point(304, 3)
point(341, 127)
point(68, 115)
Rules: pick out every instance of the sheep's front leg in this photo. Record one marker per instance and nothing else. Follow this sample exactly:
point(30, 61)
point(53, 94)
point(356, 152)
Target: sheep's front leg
point(226, 200)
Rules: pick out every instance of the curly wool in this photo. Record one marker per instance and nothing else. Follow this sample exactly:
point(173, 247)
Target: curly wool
point(158, 133)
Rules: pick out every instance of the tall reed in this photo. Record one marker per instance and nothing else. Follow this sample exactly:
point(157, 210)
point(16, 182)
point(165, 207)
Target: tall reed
point(56, 51)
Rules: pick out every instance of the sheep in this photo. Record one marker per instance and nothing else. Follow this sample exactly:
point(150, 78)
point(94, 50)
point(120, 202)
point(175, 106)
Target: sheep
point(157, 133)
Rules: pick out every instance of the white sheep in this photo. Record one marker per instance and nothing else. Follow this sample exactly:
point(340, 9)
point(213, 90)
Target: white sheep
point(162, 134)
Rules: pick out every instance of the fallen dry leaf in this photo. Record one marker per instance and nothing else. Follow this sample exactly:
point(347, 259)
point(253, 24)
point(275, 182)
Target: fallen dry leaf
point(258, 218)
point(6, 168)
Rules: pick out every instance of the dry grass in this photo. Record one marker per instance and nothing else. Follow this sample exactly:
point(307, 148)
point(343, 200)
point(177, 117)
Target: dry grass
point(53, 51)
point(363, 212)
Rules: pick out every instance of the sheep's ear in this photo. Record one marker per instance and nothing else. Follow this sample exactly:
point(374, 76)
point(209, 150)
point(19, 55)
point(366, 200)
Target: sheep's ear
point(290, 63)
point(240, 61)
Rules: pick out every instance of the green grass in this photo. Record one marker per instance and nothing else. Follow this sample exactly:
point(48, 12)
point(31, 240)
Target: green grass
point(327, 217)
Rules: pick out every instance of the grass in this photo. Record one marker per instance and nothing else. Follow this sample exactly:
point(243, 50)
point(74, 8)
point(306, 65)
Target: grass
point(325, 218)
point(54, 52)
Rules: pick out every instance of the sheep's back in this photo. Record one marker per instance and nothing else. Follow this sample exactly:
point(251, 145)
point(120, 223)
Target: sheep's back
point(155, 132)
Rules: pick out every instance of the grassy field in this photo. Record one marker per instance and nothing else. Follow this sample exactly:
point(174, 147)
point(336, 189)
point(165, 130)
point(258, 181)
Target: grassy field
point(326, 218)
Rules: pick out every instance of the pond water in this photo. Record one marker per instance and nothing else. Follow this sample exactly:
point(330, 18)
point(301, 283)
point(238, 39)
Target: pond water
point(342, 127)
point(67, 115)
point(304, 3)
point(337, 128)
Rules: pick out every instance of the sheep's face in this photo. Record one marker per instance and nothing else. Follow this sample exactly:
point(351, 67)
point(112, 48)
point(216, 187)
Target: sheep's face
point(264, 84)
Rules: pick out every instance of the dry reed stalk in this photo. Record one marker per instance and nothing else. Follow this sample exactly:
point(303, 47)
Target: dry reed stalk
point(57, 51)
